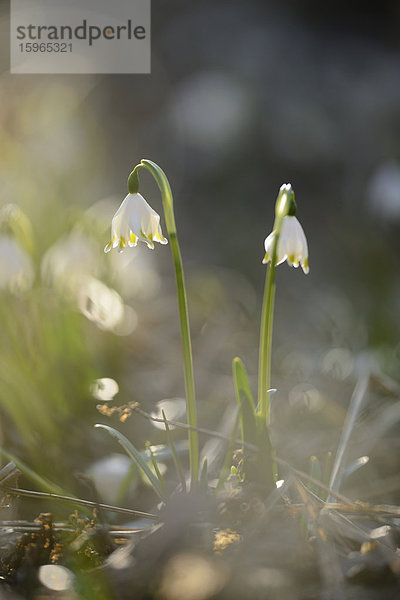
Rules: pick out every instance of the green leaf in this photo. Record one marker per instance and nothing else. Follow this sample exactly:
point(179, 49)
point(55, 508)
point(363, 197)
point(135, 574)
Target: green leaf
point(315, 472)
point(258, 468)
point(156, 467)
point(226, 466)
point(136, 457)
point(43, 483)
point(203, 476)
point(126, 482)
point(177, 462)
point(246, 402)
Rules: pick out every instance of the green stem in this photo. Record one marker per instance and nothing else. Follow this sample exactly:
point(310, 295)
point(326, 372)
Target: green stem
point(168, 207)
point(284, 204)
point(267, 320)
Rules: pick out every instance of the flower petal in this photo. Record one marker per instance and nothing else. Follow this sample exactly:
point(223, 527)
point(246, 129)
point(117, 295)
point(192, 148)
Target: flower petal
point(292, 245)
point(135, 221)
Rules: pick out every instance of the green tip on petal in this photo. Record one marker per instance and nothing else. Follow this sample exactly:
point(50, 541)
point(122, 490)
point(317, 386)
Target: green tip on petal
point(133, 182)
point(292, 205)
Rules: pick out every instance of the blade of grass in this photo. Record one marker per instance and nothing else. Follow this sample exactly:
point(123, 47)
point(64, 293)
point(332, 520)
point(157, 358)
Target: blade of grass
point(203, 476)
point(136, 457)
point(78, 501)
point(327, 468)
point(315, 472)
point(226, 465)
point(126, 483)
point(245, 400)
point(156, 468)
point(35, 478)
point(355, 465)
point(352, 414)
point(175, 456)
point(255, 431)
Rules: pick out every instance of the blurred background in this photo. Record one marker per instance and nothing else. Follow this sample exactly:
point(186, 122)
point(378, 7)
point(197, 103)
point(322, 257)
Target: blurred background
point(243, 96)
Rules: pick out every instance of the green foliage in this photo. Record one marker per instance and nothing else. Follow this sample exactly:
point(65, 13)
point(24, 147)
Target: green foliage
point(259, 465)
point(44, 484)
point(226, 466)
point(170, 442)
point(137, 458)
point(203, 476)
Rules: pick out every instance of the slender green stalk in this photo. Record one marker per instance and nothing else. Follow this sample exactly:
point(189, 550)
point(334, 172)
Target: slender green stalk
point(267, 315)
point(267, 319)
point(168, 207)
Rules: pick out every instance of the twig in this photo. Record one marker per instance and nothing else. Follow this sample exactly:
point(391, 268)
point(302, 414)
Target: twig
point(47, 496)
point(362, 508)
point(181, 425)
point(116, 531)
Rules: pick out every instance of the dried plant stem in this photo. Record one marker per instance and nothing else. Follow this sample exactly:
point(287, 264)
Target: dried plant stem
point(88, 503)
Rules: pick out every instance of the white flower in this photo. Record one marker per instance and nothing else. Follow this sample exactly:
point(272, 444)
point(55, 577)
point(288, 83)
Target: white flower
point(16, 267)
point(69, 261)
point(100, 304)
point(292, 245)
point(135, 221)
point(108, 475)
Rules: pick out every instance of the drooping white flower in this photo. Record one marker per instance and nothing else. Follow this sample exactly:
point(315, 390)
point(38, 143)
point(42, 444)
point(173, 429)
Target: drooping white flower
point(135, 221)
point(292, 245)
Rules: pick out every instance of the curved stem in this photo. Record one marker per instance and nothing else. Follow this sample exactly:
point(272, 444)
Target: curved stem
point(168, 207)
